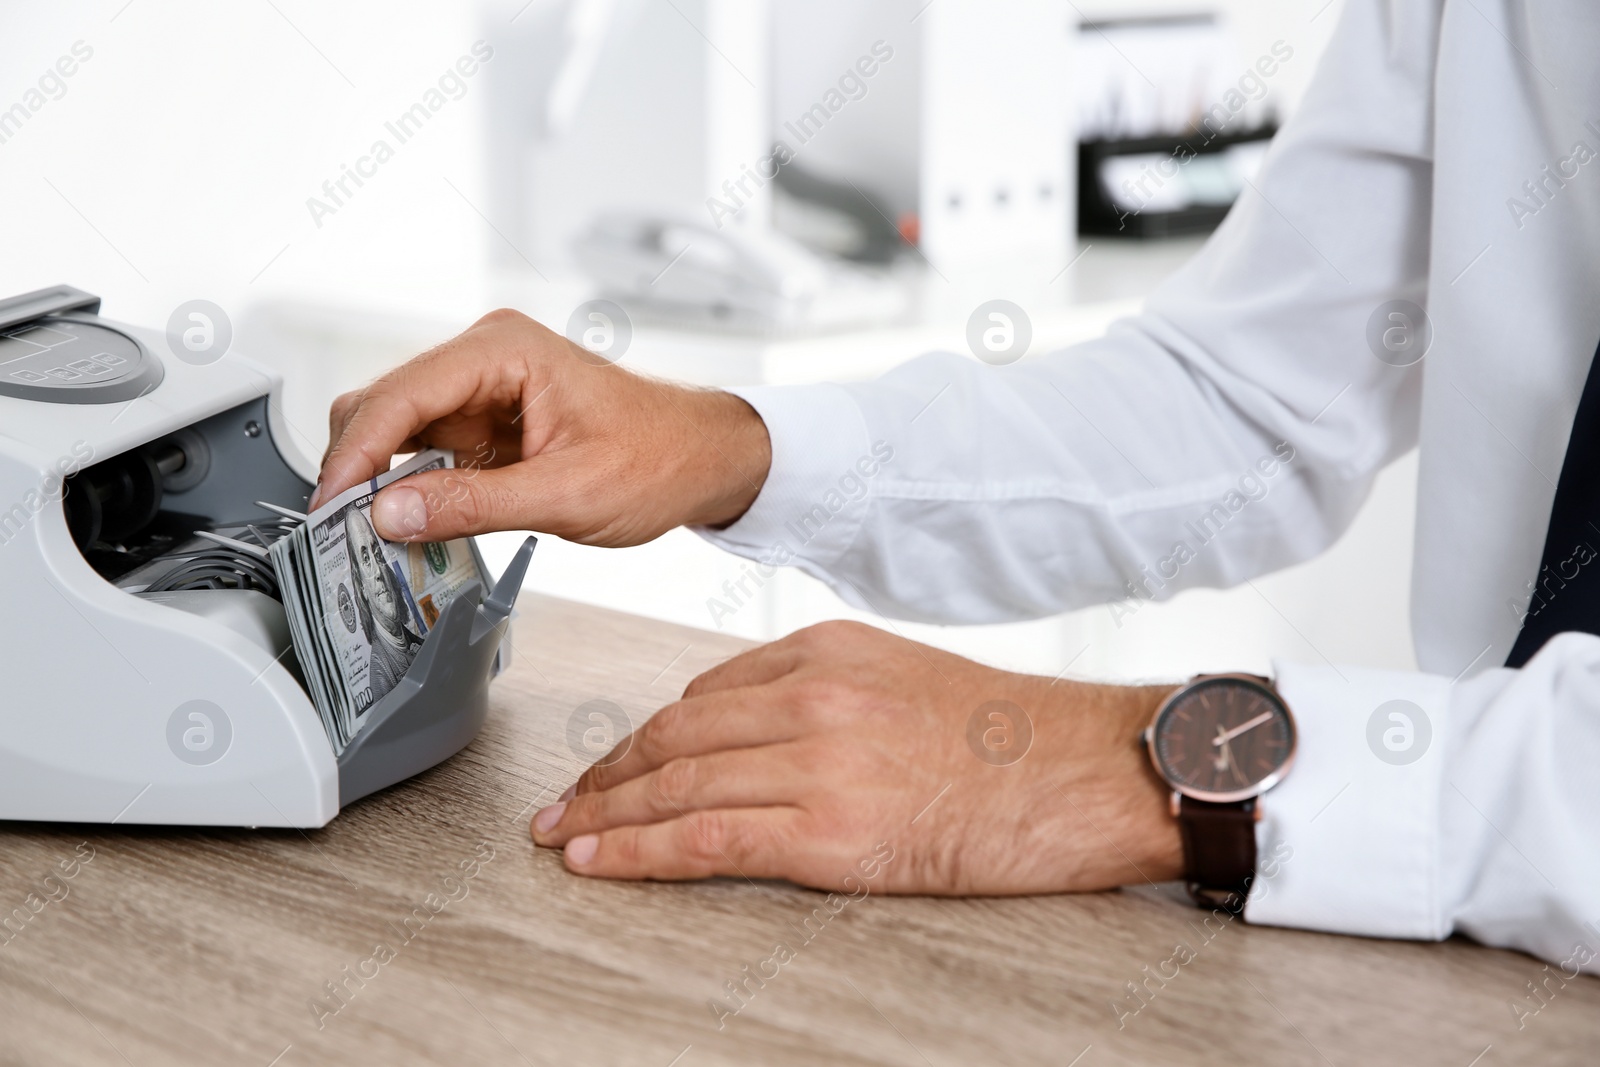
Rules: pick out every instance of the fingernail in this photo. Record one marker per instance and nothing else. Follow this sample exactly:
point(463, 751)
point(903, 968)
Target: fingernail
point(572, 791)
point(580, 850)
point(399, 514)
point(546, 820)
point(316, 497)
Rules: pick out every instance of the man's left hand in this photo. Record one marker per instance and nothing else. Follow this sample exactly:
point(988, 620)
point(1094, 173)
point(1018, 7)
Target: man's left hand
point(799, 758)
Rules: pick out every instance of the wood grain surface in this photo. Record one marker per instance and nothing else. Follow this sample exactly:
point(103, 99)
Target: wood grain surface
point(454, 941)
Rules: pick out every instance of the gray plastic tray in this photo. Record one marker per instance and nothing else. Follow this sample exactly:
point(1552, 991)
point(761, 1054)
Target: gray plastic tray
point(443, 700)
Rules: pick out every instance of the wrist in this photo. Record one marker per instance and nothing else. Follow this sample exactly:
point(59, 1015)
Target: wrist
point(1158, 837)
point(1108, 790)
point(731, 461)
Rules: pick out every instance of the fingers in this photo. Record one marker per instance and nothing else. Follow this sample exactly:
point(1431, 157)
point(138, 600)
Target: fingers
point(739, 842)
point(368, 433)
point(339, 413)
point(553, 493)
point(740, 778)
point(758, 666)
point(732, 719)
point(369, 426)
point(446, 504)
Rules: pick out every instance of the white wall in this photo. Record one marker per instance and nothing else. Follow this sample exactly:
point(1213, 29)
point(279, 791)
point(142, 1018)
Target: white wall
point(179, 162)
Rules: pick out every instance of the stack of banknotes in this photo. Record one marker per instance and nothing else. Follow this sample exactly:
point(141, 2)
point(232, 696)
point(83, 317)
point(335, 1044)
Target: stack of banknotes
point(359, 607)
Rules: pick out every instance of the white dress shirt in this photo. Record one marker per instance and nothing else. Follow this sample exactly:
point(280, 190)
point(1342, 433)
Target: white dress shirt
point(1442, 155)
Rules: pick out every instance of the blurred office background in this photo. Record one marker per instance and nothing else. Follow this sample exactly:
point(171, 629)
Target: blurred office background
point(771, 190)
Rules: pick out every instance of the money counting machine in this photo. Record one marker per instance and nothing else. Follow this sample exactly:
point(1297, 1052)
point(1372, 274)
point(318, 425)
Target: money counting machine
point(148, 685)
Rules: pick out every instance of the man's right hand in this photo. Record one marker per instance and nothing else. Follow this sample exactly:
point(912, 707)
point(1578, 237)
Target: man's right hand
point(550, 437)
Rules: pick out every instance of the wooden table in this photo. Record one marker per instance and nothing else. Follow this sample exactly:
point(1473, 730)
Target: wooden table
point(216, 947)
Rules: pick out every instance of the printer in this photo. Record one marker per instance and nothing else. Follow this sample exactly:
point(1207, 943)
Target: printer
point(150, 674)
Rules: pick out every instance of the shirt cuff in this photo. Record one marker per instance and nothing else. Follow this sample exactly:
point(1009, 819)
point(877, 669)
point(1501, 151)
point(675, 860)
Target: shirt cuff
point(816, 494)
point(1349, 841)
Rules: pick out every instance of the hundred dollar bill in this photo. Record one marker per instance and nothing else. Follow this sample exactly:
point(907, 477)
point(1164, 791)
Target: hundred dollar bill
point(363, 606)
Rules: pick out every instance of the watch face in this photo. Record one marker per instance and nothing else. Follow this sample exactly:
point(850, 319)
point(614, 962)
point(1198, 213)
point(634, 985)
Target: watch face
point(1223, 739)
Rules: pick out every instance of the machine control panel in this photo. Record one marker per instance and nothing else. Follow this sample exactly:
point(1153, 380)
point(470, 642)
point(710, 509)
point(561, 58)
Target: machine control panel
point(54, 349)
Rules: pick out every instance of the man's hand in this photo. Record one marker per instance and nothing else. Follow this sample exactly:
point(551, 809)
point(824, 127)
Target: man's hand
point(550, 438)
point(796, 759)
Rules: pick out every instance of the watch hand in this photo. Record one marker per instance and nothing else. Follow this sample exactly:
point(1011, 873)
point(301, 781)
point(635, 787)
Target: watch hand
point(1225, 755)
point(1224, 736)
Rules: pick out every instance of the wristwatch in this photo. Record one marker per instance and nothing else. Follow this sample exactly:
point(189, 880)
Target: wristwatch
point(1220, 742)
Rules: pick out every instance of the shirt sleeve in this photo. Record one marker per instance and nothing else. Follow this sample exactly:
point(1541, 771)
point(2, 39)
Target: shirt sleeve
point(1231, 429)
point(1418, 809)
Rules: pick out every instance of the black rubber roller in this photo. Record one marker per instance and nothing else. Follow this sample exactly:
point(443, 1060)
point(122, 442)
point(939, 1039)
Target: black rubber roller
point(114, 500)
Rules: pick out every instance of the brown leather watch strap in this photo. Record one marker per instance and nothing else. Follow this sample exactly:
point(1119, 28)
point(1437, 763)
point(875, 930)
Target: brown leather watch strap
point(1219, 851)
